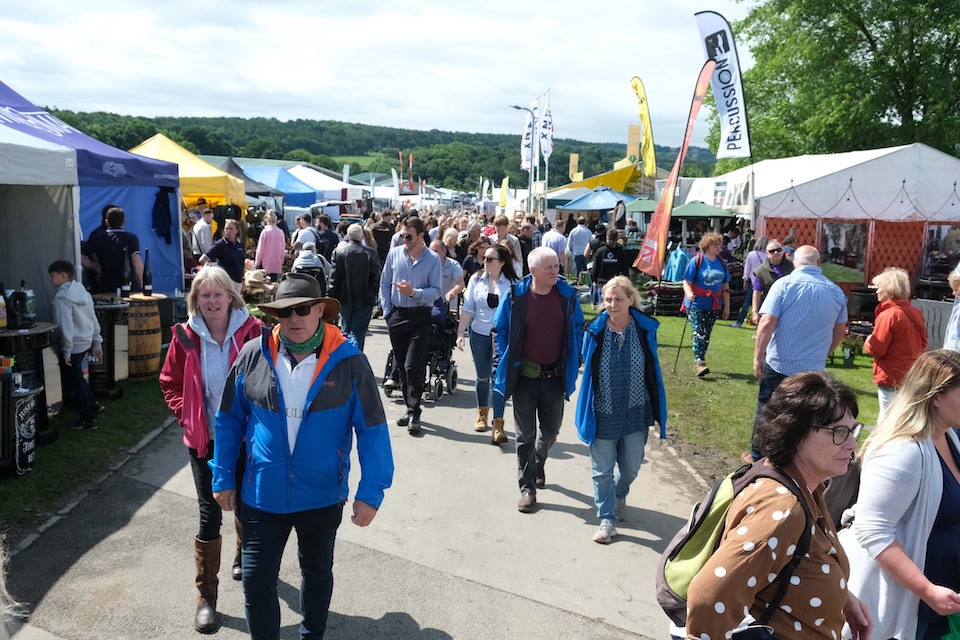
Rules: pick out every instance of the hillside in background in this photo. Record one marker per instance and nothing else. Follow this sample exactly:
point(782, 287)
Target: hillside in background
point(449, 159)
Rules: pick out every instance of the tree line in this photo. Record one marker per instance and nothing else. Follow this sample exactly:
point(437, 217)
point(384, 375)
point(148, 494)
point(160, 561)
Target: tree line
point(449, 159)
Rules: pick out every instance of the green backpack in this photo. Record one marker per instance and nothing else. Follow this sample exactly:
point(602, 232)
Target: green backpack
point(693, 545)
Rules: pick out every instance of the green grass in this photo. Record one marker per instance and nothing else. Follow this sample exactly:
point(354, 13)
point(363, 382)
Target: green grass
point(840, 273)
point(79, 457)
point(358, 164)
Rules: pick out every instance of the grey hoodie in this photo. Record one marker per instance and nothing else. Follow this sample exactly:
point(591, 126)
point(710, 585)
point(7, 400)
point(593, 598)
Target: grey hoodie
point(215, 360)
point(73, 311)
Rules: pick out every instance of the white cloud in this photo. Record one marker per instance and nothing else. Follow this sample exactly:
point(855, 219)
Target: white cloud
point(424, 65)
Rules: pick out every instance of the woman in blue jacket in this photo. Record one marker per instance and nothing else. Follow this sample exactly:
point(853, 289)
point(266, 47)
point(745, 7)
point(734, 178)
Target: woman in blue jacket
point(620, 396)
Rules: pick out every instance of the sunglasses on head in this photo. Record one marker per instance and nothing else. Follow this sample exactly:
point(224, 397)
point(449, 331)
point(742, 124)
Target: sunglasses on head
point(301, 309)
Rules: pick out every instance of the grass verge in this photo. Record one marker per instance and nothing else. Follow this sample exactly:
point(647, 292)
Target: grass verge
point(79, 457)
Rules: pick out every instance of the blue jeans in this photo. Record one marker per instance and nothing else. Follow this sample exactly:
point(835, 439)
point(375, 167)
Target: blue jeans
point(609, 485)
point(581, 262)
point(768, 384)
point(264, 537)
point(484, 359)
point(355, 322)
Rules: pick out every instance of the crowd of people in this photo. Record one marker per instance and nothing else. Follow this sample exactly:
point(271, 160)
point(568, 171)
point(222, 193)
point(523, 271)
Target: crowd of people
point(251, 398)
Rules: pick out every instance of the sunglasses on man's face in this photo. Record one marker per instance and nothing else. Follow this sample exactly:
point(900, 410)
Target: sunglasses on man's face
point(407, 236)
point(774, 250)
point(302, 310)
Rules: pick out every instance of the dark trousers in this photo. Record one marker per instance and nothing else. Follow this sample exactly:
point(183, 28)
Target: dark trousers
point(264, 538)
point(83, 400)
point(768, 384)
point(355, 322)
point(211, 517)
point(533, 399)
point(409, 334)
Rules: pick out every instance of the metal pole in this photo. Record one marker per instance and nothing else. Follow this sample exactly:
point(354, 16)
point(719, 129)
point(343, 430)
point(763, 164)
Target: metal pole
point(533, 120)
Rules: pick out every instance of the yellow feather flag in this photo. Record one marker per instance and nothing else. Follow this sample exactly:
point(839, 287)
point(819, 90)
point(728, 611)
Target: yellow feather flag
point(646, 147)
point(503, 191)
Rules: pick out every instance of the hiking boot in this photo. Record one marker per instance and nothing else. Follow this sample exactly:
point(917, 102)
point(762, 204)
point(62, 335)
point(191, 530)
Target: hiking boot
point(621, 508)
point(481, 424)
point(528, 502)
point(605, 532)
point(498, 436)
point(701, 368)
point(541, 477)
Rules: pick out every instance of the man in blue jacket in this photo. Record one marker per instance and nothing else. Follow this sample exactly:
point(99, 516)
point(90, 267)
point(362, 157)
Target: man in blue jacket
point(297, 396)
point(539, 327)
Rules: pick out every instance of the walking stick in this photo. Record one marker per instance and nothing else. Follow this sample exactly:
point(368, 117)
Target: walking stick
point(686, 319)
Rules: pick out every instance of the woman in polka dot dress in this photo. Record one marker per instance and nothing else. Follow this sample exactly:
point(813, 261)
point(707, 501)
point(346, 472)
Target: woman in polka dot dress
point(809, 430)
point(904, 545)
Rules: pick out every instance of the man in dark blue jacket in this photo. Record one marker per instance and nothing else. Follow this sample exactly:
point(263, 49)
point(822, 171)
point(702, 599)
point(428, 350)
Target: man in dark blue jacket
point(539, 327)
point(297, 396)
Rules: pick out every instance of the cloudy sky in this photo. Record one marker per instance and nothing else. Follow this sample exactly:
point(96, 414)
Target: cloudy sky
point(430, 64)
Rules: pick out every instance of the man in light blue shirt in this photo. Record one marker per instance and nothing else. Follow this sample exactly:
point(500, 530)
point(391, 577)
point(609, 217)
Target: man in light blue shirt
point(410, 282)
point(580, 236)
point(802, 320)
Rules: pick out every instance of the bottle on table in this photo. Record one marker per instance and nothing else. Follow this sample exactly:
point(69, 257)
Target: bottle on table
point(147, 274)
point(125, 277)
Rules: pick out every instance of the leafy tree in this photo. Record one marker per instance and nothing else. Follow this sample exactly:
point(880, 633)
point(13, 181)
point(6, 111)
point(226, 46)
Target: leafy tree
point(838, 76)
point(261, 147)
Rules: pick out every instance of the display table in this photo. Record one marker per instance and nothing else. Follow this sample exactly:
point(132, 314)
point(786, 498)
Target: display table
point(27, 345)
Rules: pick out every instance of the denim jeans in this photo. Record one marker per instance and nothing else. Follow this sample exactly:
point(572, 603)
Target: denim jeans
point(768, 384)
point(82, 395)
point(886, 396)
point(532, 399)
point(264, 538)
point(210, 515)
point(484, 359)
point(581, 263)
point(626, 453)
point(355, 322)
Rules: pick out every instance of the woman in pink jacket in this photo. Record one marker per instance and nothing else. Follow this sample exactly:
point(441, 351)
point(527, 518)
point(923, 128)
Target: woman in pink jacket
point(271, 247)
point(200, 354)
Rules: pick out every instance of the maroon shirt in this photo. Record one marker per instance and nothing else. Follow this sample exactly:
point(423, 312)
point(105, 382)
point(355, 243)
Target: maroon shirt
point(543, 328)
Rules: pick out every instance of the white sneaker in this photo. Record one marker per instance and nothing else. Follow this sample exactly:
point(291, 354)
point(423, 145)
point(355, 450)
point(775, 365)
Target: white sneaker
point(605, 532)
point(621, 508)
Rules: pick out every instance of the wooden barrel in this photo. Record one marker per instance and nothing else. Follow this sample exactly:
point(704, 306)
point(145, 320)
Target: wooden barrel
point(144, 338)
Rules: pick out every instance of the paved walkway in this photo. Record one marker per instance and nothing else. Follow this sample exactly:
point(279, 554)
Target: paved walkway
point(448, 556)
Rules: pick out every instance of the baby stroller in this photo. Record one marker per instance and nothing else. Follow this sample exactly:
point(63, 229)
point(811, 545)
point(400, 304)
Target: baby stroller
point(441, 371)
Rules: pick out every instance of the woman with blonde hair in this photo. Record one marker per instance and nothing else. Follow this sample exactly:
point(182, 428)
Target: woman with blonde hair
point(899, 334)
point(201, 352)
point(904, 543)
point(621, 395)
point(706, 281)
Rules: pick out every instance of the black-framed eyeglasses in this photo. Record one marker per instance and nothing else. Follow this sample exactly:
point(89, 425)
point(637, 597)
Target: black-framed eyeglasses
point(774, 250)
point(491, 259)
point(301, 309)
point(407, 236)
point(840, 434)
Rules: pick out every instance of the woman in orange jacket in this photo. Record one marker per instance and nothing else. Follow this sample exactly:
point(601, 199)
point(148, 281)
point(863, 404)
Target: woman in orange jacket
point(899, 334)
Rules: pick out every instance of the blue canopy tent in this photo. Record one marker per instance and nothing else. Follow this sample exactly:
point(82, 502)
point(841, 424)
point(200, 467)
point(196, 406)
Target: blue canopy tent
point(145, 188)
point(297, 193)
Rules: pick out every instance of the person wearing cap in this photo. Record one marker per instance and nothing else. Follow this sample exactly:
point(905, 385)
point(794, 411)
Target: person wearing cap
point(410, 282)
point(297, 396)
point(355, 282)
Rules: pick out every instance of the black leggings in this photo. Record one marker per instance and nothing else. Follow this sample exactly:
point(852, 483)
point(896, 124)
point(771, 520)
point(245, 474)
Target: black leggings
point(211, 517)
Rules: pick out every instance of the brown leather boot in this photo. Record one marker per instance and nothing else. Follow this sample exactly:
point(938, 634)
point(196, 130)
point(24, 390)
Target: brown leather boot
point(237, 558)
point(498, 436)
point(207, 558)
point(481, 419)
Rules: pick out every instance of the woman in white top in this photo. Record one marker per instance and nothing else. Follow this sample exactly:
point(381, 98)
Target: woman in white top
point(480, 303)
point(904, 545)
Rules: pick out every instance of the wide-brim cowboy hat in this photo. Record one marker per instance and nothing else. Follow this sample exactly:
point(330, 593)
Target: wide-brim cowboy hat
point(296, 289)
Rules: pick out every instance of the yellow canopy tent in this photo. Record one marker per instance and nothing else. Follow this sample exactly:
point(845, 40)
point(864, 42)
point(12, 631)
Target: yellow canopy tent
point(198, 178)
